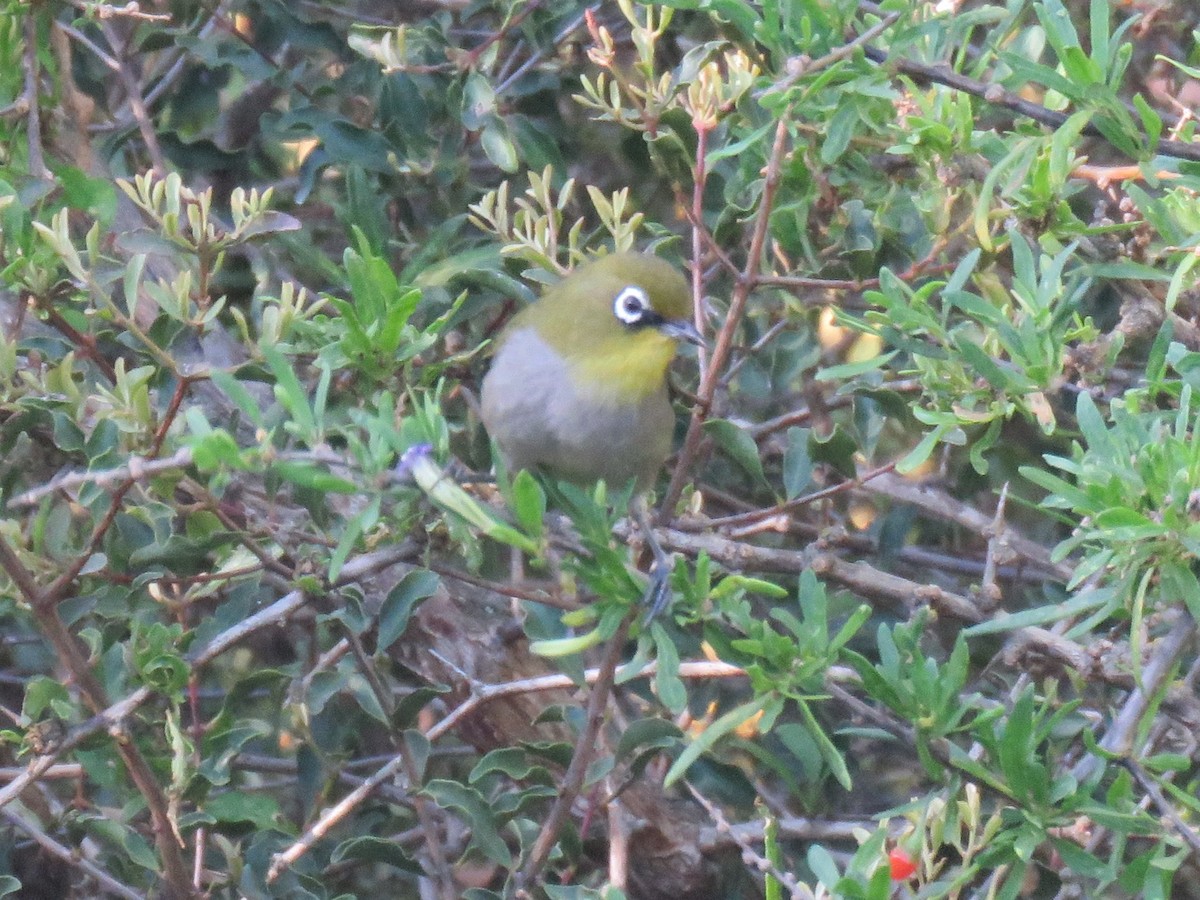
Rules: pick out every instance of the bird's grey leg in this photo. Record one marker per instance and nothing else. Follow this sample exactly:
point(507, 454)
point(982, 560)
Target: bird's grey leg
point(658, 594)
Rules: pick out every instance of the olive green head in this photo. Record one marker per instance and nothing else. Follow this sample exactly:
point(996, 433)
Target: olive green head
point(616, 321)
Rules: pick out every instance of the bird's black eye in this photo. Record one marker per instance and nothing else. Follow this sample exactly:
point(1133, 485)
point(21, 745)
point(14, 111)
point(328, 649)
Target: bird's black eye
point(632, 306)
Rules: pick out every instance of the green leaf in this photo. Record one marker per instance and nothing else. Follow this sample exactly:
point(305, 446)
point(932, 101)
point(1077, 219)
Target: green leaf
point(653, 732)
point(398, 606)
point(713, 733)
point(838, 131)
point(43, 693)
point(214, 449)
point(371, 849)
point(313, 477)
point(920, 453)
point(1092, 425)
point(236, 391)
point(836, 449)
point(260, 810)
point(498, 145)
point(513, 762)
point(290, 394)
point(442, 490)
point(845, 371)
point(1052, 612)
point(1179, 582)
point(484, 826)
point(797, 464)
point(557, 647)
point(1167, 762)
point(829, 752)
point(364, 520)
point(823, 866)
point(738, 446)
point(992, 372)
point(670, 688)
point(736, 12)
point(528, 503)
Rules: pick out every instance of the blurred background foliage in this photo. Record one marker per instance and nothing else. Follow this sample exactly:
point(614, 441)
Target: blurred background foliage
point(935, 514)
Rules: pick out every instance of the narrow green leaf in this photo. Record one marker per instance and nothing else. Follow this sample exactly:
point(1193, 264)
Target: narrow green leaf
point(236, 391)
point(920, 453)
point(713, 733)
point(289, 392)
point(853, 369)
point(829, 751)
point(670, 688)
point(566, 646)
point(529, 503)
point(313, 477)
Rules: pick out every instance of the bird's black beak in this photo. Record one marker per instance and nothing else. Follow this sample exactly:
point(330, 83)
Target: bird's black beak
point(683, 330)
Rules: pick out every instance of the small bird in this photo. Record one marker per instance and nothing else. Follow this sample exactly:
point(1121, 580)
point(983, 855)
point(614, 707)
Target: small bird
point(578, 384)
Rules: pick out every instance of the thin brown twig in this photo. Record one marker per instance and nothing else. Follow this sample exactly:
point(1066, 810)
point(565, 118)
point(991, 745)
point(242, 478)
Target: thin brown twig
point(757, 347)
point(749, 852)
point(939, 503)
point(130, 10)
point(540, 53)
point(106, 59)
point(997, 548)
point(136, 468)
point(137, 104)
point(535, 595)
point(33, 115)
point(761, 430)
point(572, 780)
point(222, 21)
point(427, 819)
point(85, 342)
point(710, 378)
point(865, 580)
point(438, 868)
point(753, 517)
point(792, 827)
point(11, 563)
point(1154, 792)
point(65, 771)
point(1120, 737)
point(473, 56)
point(38, 768)
point(798, 67)
point(277, 612)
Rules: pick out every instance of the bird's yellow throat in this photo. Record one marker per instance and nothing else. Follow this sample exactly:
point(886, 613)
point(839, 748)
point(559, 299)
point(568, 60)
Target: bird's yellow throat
point(627, 370)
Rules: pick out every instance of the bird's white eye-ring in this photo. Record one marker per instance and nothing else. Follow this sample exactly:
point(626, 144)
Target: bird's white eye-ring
point(631, 305)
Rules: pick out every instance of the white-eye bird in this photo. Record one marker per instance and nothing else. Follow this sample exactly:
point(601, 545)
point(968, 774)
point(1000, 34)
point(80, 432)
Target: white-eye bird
point(578, 384)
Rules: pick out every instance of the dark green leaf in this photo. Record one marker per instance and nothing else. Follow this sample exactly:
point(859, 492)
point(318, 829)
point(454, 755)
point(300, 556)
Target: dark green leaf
point(375, 850)
point(738, 445)
point(797, 465)
point(401, 601)
point(484, 826)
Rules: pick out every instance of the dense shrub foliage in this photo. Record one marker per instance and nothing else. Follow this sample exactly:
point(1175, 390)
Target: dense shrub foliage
point(935, 511)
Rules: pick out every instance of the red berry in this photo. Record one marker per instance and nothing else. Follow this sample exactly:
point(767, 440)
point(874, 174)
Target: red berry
point(902, 865)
